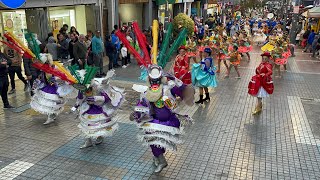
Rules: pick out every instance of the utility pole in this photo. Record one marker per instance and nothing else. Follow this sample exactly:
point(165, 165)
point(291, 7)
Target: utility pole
point(295, 20)
point(166, 16)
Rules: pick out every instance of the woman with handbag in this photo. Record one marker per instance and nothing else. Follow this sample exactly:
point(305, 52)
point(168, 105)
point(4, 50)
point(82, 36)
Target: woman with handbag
point(261, 84)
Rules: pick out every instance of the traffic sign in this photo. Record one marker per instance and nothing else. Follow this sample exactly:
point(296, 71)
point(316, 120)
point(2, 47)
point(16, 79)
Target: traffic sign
point(12, 4)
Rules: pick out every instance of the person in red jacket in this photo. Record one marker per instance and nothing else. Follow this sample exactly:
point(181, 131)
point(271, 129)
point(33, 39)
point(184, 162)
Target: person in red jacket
point(261, 84)
point(181, 66)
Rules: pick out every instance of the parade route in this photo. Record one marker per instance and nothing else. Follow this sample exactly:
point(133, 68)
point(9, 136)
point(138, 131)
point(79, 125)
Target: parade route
point(225, 142)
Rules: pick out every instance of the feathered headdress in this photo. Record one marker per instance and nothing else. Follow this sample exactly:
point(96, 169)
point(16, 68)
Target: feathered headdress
point(14, 43)
point(83, 76)
point(160, 58)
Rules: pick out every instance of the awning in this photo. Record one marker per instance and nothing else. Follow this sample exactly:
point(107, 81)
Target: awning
point(305, 14)
point(314, 12)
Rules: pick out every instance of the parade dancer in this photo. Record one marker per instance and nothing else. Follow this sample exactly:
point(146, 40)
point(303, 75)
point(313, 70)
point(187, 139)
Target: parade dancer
point(181, 67)
point(234, 58)
point(96, 108)
point(259, 37)
point(203, 75)
point(223, 52)
point(50, 92)
point(155, 113)
point(245, 46)
point(261, 84)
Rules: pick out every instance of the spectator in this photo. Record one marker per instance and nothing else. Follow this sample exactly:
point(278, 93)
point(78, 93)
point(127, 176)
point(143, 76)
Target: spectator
point(110, 51)
point(87, 41)
point(305, 38)
point(115, 28)
point(124, 56)
point(74, 30)
point(97, 50)
point(4, 81)
point(90, 35)
point(31, 72)
point(73, 40)
point(314, 45)
point(65, 27)
point(15, 68)
point(63, 46)
point(129, 38)
point(310, 41)
point(116, 42)
point(47, 39)
point(52, 48)
point(67, 36)
point(80, 52)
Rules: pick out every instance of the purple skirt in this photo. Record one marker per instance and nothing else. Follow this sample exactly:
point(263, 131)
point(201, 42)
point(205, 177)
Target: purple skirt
point(50, 89)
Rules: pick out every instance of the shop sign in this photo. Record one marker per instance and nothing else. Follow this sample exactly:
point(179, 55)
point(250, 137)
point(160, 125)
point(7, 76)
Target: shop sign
point(296, 9)
point(12, 4)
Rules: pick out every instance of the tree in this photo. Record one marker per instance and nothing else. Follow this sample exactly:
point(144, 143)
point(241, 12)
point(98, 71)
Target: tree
point(183, 21)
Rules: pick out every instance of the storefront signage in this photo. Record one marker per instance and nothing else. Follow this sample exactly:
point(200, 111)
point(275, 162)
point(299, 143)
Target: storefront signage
point(12, 4)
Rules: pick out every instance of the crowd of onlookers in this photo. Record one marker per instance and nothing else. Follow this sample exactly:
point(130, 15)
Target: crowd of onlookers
point(70, 47)
point(310, 41)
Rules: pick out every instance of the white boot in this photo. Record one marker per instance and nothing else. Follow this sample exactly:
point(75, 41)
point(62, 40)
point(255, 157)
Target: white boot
point(88, 143)
point(99, 140)
point(162, 164)
point(51, 118)
point(155, 161)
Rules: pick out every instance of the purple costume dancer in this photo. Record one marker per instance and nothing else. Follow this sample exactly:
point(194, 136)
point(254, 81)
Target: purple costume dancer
point(156, 116)
point(50, 94)
point(97, 110)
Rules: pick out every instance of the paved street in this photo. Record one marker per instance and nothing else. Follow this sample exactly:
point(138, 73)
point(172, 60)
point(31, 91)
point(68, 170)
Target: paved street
point(226, 141)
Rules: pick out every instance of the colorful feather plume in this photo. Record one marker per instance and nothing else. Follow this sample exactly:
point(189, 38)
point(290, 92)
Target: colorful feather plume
point(33, 44)
point(17, 44)
point(47, 68)
point(83, 76)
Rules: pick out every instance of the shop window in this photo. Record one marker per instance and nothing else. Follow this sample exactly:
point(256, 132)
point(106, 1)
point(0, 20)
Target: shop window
point(15, 22)
point(58, 17)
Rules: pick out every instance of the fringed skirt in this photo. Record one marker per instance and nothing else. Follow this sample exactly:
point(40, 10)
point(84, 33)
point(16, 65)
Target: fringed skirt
point(96, 123)
point(47, 101)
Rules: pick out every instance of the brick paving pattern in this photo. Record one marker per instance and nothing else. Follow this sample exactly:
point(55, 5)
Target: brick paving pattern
point(226, 141)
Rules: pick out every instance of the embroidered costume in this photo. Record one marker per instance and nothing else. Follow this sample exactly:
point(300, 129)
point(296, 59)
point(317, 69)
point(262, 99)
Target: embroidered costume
point(161, 127)
point(50, 92)
point(97, 107)
point(181, 67)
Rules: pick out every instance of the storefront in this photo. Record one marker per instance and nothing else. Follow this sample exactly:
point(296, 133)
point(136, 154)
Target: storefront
point(70, 15)
point(136, 10)
point(13, 21)
point(162, 13)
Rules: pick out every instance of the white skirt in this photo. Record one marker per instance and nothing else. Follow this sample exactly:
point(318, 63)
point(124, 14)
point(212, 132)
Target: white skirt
point(262, 93)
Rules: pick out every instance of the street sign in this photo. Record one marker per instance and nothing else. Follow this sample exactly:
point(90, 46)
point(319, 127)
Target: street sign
point(296, 10)
point(12, 4)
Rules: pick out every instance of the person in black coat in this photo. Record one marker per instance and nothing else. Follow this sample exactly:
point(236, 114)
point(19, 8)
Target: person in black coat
point(31, 72)
point(5, 62)
point(73, 41)
point(110, 50)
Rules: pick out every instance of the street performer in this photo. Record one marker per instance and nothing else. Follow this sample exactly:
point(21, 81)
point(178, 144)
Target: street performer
point(181, 66)
point(261, 84)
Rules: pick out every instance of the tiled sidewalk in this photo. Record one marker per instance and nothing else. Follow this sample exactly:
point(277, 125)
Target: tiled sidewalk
point(226, 141)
